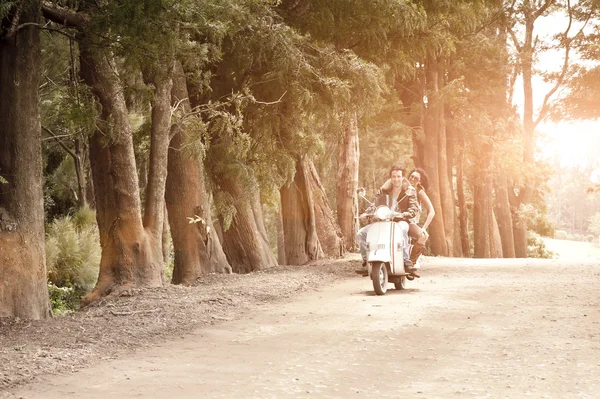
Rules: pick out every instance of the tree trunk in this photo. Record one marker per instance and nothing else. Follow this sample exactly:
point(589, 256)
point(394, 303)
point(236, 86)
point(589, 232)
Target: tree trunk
point(347, 184)
point(328, 230)
point(309, 228)
point(245, 242)
point(23, 289)
point(411, 95)
point(504, 217)
point(281, 258)
point(445, 168)
point(481, 219)
point(438, 241)
point(495, 240)
point(520, 234)
point(131, 254)
point(197, 247)
point(462, 203)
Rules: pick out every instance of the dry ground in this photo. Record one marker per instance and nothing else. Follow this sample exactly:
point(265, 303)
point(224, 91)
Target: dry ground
point(29, 349)
point(470, 328)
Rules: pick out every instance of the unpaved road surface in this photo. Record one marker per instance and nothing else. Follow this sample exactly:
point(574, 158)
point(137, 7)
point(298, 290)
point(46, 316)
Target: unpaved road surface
point(468, 328)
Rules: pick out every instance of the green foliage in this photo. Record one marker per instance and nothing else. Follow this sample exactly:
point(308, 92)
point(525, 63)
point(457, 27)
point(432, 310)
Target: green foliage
point(73, 253)
point(63, 299)
point(536, 248)
point(536, 220)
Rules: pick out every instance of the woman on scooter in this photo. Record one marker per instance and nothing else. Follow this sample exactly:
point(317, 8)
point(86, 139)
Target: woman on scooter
point(419, 180)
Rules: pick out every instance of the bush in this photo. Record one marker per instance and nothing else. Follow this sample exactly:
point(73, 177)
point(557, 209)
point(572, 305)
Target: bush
point(63, 299)
point(536, 248)
point(560, 234)
point(72, 257)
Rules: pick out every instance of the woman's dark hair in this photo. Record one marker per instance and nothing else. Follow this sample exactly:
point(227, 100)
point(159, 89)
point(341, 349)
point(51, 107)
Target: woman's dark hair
point(424, 178)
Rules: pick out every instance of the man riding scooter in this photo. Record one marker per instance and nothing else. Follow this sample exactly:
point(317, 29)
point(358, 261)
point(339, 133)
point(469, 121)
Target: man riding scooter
point(403, 200)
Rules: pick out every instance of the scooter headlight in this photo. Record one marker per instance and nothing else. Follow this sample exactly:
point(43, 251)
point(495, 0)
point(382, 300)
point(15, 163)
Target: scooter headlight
point(383, 212)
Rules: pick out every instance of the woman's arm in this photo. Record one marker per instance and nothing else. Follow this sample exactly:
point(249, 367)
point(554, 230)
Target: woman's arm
point(424, 198)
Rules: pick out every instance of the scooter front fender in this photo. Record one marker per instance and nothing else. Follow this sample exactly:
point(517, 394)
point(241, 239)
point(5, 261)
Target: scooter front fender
point(385, 245)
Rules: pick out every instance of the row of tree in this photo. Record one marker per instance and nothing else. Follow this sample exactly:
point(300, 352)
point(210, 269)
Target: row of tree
point(188, 116)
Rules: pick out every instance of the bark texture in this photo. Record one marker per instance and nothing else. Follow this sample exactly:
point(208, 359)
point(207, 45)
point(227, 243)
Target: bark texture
point(281, 258)
point(481, 219)
point(347, 184)
point(23, 289)
point(309, 227)
point(444, 167)
point(131, 254)
point(431, 159)
point(462, 203)
point(245, 242)
point(495, 240)
point(197, 247)
point(504, 217)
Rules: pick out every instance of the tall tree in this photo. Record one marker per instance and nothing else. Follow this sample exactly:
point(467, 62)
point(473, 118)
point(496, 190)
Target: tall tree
point(310, 230)
point(526, 44)
point(197, 247)
point(131, 244)
point(23, 290)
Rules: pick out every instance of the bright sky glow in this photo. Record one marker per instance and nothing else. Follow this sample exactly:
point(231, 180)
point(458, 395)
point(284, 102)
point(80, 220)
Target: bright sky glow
point(572, 143)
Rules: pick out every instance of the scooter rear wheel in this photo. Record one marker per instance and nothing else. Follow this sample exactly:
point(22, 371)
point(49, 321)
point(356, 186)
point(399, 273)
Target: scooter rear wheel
point(380, 278)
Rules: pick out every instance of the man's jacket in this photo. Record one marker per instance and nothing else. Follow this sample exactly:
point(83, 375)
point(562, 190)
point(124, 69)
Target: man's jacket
point(407, 204)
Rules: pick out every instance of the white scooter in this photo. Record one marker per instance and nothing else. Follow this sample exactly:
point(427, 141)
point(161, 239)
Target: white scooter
point(385, 242)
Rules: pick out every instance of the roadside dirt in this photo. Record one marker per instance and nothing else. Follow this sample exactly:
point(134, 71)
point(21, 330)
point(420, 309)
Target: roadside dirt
point(469, 328)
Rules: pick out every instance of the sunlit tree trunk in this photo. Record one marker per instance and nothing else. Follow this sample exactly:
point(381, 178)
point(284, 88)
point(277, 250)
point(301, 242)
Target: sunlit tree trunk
point(281, 258)
point(411, 96)
point(23, 289)
point(347, 183)
point(196, 245)
point(504, 217)
point(131, 247)
point(431, 159)
point(245, 241)
point(462, 207)
point(495, 240)
point(445, 168)
point(310, 230)
point(481, 218)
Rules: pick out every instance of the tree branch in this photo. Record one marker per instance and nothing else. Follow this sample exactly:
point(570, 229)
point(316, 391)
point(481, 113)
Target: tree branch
point(545, 107)
point(515, 40)
point(64, 16)
point(54, 136)
point(46, 27)
point(543, 9)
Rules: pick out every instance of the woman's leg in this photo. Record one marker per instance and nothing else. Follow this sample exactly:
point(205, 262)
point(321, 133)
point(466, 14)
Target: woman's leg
point(416, 233)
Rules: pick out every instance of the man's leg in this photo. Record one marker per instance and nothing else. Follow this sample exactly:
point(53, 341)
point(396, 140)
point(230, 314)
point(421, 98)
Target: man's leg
point(404, 228)
point(362, 242)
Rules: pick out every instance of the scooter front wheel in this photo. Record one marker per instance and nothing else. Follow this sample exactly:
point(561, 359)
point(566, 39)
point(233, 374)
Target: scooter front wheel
point(400, 285)
point(380, 278)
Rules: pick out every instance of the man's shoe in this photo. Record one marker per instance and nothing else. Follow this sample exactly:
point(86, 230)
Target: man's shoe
point(364, 264)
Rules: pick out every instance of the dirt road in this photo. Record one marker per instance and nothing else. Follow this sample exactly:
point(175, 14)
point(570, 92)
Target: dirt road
point(467, 329)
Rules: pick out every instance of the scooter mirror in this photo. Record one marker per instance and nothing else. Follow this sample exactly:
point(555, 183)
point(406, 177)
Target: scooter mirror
point(361, 192)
